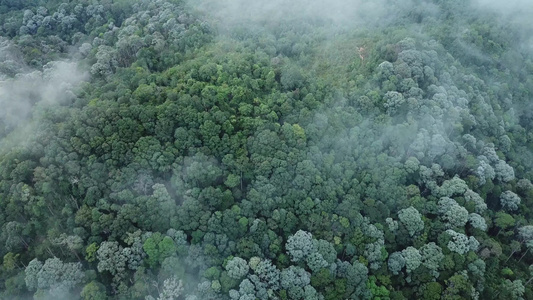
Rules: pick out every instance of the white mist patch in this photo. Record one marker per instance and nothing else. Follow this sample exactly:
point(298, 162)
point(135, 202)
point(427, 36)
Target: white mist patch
point(54, 85)
point(61, 78)
point(517, 13)
point(508, 8)
point(11, 61)
point(338, 12)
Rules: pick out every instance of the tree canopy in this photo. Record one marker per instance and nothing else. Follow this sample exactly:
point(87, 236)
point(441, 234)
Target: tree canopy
point(168, 149)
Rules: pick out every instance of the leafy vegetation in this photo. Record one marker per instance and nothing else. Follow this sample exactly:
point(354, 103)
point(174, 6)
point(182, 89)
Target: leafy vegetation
point(162, 149)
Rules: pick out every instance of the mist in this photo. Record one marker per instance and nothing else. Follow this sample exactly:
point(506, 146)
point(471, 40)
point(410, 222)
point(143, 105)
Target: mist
point(514, 14)
point(267, 149)
point(11, 62)
point(514, 11)
point(55, 85)
point(332, 15)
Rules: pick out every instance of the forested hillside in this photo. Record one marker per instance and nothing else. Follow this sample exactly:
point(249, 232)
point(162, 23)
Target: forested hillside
point(243, 150)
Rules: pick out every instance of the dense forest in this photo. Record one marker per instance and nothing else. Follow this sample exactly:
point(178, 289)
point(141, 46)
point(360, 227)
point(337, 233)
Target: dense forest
point(243, 150)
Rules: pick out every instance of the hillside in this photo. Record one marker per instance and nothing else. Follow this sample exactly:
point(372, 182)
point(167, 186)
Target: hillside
point(243, 150)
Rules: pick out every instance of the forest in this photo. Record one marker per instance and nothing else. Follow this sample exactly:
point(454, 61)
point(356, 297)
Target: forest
point(256, 150)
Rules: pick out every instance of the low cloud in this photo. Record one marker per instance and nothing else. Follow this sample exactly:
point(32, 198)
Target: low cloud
point(54, 85)
point(339, 13)
point(513, 13)
point(11, 61)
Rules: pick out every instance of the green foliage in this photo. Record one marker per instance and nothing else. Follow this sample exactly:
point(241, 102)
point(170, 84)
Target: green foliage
point(151, 249)
point(144, 145)
point(91, 252)
point(411, 219)
point(513, 290)
point(509, 200)
point(10, 261)
point(158, 248)
point(430, 291)
point(93, 290)
point(237, 268)
point(457, 287)
point(503, 220)
point(378, 292)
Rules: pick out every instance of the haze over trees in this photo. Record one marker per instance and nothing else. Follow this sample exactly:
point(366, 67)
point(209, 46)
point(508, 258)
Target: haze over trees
point(169, 149)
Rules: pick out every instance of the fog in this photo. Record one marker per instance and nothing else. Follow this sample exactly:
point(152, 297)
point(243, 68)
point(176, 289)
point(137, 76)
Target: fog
point(54, 85)
point(335, 14)
point(513, 14)
point(390, 91)
point(11, 62)
point(515, 11)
